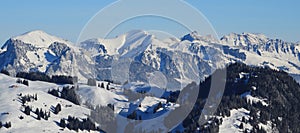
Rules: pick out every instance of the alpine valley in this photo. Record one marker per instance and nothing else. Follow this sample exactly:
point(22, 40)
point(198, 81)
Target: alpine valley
point(48, 84)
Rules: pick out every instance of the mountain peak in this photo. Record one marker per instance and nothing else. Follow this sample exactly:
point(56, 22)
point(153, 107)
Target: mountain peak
point(196, 36)
point(244, 39)
point(190, 37)
point(39, 38)
point(133, 32)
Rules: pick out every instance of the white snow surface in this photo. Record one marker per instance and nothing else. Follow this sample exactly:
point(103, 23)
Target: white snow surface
point(250, 99)
point(11, 104)
point(39, 38)
point(9, 91)
point(231, 124)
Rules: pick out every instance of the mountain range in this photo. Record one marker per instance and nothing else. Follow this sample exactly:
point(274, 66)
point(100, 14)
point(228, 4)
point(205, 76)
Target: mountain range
point(180, 60)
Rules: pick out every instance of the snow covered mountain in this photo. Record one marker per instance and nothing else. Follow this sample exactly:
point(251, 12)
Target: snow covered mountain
point(262, 45)
point(39, 51)
point(180, 61)
point(193, 57)
point(263, 51)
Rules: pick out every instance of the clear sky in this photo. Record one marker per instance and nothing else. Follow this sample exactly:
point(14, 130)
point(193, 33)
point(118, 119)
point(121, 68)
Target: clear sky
point(66, 18)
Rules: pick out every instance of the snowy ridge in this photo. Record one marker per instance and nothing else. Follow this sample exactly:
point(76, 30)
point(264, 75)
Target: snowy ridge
point(39, 51)
point(263, 51)
point(39, 38)
point(121, 44)
point(244, 39)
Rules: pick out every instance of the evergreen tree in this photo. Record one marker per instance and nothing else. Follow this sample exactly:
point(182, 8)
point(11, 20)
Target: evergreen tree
point(7, 124)
point(42, 113)
point(35, 96)
point(27, 110)
point(19, 81)
point(244, 119)
point(37, 112)
point(62, 123)
point(241, 126)
point(57, 109)
point(25, 82)
point(107, 87)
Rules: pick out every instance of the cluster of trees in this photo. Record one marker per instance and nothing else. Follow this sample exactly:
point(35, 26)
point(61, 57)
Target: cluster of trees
point(74, 123)
point(209, 127)
point(101, 85)
point(58, 79)
point(281, 91)
point(133, 115)
point(27, 98)
point(172, 97)
point(3, 71)
point(132, 95)
point(68, 93)
point(39, 113)
point(6, 125)
point(25, 82)
point(42, 114)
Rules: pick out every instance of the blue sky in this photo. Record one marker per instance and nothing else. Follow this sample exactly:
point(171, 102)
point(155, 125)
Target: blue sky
point(275, 18)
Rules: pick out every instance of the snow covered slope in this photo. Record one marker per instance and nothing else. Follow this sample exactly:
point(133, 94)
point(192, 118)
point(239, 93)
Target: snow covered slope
point(11, 108)
point(39, 38)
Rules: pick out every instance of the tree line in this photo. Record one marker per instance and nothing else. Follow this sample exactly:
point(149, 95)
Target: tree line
point(68, 93)
point(38, 76)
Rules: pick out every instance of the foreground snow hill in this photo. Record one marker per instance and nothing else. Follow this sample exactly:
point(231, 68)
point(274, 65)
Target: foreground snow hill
point(256, 99)
point(13, 110)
